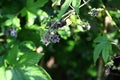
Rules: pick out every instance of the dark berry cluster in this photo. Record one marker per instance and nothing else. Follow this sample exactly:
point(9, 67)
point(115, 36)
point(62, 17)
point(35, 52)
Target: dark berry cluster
point(56, 25)
point(113, 66)
point(55, 38)
point(11, 32)
point(94, 12)
point(51, 35)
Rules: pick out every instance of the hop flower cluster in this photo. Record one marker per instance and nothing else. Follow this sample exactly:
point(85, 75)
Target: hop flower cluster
point(51, 35)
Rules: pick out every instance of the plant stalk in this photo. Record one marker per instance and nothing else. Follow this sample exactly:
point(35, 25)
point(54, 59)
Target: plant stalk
point(100, 69)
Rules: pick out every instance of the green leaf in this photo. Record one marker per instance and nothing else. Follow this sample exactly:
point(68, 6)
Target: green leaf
point(23, 12)
point(106, 51)
point(29, 45)
point(35, 73)
point(1, 60)
point(27, 73)
point(30, 18)
point(12, 55)
point(97, 51)
point(65, 32)
point(30, 58)
point(76, 4)
point(64, 7)
point(34, 27)
point(8, 22)
point(2, 73)
point(30, 3)
point(40, 3)
point(110, 63)
point(34, 6)
point(56, 2)
point(42, 15)
point(14, 74)
point(26, 55)
point(30, 35)
point(101, 39)
point(8, 74)
point(13, 21)
point(103, 46)
point(16, 22)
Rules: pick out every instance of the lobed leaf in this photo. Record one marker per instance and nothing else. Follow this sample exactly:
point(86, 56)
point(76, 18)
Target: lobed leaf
point(97, 51)
point(101, 39)
point(103, 47)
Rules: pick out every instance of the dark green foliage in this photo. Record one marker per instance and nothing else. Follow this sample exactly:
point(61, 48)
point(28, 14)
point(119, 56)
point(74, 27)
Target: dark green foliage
point(103, 46)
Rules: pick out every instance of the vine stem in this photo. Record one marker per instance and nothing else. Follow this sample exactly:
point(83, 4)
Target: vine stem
point(100, 68)
point(108, 14)
point(85, 2)
point(101, 62)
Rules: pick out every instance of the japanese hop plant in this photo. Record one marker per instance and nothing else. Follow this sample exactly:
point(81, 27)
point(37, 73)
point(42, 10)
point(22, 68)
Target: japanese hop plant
point(28, 24)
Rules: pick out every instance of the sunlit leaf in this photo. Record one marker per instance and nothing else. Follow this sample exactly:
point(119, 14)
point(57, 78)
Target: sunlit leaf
point(26, 73)
point(30, 18)
point(64, 7)
point(16, 22)
point(28, 44)
point(2, 72)
point(56, 2)
point(12, 21)
point(13, 51)
point(30, 58)
point(14, 74)
point(65, 32)
point(34, 72)
point(42, 14)
point(76, 4)
point(8, 22)
point(8, 74)
point(33, 6)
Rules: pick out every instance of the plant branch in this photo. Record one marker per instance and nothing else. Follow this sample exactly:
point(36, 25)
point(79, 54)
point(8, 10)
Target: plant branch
point(85, 2)
point(100, 68)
